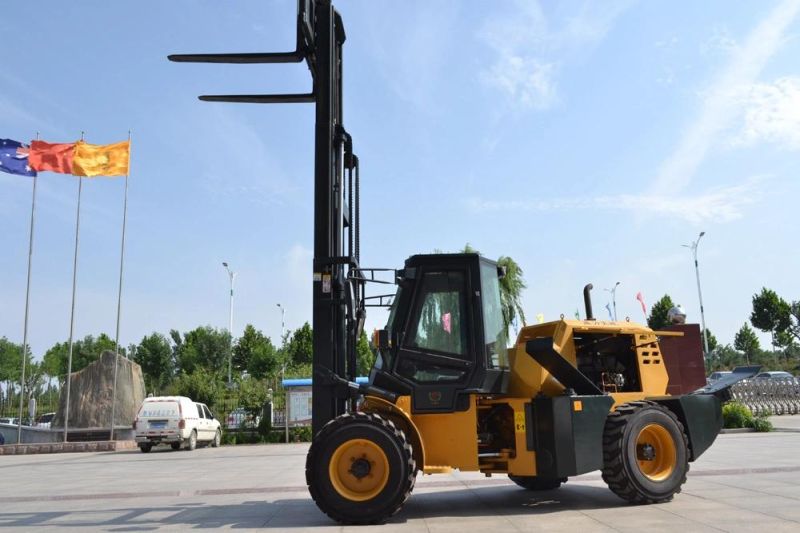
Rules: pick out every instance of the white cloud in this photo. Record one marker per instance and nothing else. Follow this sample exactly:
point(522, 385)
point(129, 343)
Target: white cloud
point(720, 204)
point(771, 114)
point(529, 48)
point(524, 80)
point(720, 100)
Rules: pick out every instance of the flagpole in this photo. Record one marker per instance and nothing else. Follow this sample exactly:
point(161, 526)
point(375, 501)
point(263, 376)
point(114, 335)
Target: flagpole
point(119, 293)
point(27, 307)
point(72, 313)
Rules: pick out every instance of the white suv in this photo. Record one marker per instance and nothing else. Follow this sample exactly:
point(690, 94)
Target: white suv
point(175, 420)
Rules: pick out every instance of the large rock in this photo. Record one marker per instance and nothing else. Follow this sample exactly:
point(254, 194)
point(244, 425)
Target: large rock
point(91, 393)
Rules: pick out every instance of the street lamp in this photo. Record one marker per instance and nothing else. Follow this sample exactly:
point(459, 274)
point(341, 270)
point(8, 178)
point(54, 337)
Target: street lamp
point(614, 298)
point(232, 276)
point(693, 248)
point(283, 376)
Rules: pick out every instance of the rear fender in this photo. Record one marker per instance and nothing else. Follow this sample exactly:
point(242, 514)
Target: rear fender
point(385, 408)
point(701, 416)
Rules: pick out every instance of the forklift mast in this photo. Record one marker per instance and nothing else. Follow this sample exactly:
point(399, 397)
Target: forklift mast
point(338, 286)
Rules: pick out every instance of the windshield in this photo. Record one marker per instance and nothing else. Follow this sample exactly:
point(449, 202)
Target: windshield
point(493, 327)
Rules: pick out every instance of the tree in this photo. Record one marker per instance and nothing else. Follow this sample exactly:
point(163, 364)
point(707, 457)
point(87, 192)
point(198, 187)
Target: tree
point(746, 341)
point(771, 314)
point(255, 354)
point(658, 313)
point(203, 347)
point(723, 358)
point(84, 352)
point(10, 360)
point(300, 347)
point(154, 355)
point(365, 355)
point(511, 287)
point(202, 385)
point(712, 340)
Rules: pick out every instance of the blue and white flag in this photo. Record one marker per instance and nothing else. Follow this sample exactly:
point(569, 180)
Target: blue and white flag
point(608, 308)
point(14, 158)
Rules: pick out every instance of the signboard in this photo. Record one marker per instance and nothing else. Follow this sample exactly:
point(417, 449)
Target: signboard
point(299, 407)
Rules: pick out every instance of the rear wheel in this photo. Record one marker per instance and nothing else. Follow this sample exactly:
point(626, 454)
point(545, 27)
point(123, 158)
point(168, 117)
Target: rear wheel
point(645, 453)
point(360, 469)
point(192, 442)
point(145, 448)
point(176, 445)
point(537, 483)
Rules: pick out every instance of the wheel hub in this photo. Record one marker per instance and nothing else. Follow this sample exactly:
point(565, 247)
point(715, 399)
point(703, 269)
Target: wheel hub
point(645, 452)
point(656, 452)
point(360, 467)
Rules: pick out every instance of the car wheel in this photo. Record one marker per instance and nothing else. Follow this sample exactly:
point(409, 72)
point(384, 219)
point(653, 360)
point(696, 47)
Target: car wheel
point(176, 445)
point(645, 453)
point(145, 448)
point(217, 439)
point(191, 444)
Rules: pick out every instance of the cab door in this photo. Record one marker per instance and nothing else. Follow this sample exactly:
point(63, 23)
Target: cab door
point(436, 353)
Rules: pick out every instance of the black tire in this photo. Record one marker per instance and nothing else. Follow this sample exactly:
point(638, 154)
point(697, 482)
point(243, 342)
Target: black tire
point(145, 448)
point(336, 491)
point(217, 439)
point(176, 445)
point(191, 443)
point(537, 483)
point(645, 453)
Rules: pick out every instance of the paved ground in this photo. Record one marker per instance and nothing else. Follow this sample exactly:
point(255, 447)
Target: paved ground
point(745, 482)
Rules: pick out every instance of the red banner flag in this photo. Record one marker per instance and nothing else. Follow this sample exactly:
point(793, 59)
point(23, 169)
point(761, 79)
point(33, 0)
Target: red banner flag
point(641, 301)
point(56, 157)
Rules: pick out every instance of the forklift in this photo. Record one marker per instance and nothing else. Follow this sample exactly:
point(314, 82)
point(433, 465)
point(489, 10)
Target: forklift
point(567, 398)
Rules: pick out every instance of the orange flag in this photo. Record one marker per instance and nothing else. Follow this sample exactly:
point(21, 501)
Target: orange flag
point(51, 156)
point(101, 159)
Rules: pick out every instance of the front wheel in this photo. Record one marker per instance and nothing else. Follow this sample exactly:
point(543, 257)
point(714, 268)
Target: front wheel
point(145, 448)
point(217, 439)
point(645, 453)
point(360, 469)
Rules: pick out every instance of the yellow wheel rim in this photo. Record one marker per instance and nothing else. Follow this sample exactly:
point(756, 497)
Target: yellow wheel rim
point(359, 470)
point(656, 452)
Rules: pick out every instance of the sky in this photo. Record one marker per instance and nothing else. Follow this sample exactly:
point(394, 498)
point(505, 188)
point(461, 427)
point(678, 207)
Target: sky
point(586, 140)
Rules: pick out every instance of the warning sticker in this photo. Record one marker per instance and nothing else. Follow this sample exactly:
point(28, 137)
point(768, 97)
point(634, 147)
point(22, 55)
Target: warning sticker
point(326, 283)
point(519, 422)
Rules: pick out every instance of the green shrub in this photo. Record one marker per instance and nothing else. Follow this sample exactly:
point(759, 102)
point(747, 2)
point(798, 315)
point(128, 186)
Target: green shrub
point(300, 434)
point(761, 423)
point(736, 415)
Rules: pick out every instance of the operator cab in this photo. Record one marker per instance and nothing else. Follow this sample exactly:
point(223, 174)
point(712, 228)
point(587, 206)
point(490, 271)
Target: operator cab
point(445, 336)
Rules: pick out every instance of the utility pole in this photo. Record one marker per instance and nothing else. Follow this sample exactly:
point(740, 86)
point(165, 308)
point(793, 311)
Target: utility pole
point(613, 292)
point(693, 247)
point(232, 276)
point(283, 377)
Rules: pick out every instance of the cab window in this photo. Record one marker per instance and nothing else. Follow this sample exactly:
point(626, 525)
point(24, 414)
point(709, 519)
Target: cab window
point(440, 317)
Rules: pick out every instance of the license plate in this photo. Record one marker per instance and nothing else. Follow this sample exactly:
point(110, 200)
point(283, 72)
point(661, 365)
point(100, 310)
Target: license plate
point(161, 424)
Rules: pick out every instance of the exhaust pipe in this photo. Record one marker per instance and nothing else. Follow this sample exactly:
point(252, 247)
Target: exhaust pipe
point(587, 300)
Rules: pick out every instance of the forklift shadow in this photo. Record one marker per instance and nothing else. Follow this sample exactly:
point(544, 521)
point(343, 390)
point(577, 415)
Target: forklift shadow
point(507, 500)
point(287, 514)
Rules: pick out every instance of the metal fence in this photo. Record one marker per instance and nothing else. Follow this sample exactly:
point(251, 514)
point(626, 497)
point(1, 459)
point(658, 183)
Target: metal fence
point(773, 396)
point(46, 402)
